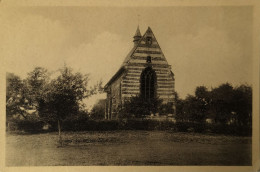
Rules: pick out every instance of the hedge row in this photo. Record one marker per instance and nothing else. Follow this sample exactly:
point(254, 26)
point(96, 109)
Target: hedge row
point(32, 126)
point(35, 126)
point(231, 129)
point(103, 125)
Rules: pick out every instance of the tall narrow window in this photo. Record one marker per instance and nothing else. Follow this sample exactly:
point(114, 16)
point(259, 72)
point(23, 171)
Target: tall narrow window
point(148, 82)
point(148, 59)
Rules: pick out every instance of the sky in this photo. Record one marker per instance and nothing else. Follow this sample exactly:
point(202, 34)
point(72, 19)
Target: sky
point(204, 45)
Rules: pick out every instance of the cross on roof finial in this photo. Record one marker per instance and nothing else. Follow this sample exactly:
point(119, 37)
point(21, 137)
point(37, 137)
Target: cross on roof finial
point(138, 18)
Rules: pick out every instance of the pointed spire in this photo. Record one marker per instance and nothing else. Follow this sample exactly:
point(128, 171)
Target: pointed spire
point(137, 36)
point(138, 33)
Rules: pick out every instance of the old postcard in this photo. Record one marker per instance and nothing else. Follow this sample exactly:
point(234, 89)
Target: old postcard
point(130, 85)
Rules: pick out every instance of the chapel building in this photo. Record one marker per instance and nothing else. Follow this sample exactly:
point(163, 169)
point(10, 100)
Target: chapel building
point(145, 71)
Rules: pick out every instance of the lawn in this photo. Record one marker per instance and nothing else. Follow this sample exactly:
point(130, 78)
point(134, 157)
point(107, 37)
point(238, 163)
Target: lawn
point(127, 148)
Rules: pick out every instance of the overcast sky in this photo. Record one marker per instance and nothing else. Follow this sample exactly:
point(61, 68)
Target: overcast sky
point(204, 45)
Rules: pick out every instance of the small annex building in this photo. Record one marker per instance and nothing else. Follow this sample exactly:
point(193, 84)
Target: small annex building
point(144, 71)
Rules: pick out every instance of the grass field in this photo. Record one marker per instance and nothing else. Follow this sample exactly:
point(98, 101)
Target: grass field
point(127, 148)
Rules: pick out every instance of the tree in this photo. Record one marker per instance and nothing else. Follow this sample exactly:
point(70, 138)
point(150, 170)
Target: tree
point(98, 110)
point(16, 102)
point(64, 96)
point(36, 83)
point(180, 114)
point(192, 109)
point(202, 93)
point(203, 100)
point(179, 103)
point(24, 95)
point(242, 103)
point(222, 103)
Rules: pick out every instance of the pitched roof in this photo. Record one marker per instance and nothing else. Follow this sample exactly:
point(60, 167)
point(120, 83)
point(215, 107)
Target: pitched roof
point(128, 57)
point(117, 74)
point(148, 32)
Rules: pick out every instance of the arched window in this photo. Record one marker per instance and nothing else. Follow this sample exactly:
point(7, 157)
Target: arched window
point(148, 83)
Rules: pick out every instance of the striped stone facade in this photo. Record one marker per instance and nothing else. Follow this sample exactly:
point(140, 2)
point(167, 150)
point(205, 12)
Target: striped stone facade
point(146, 53)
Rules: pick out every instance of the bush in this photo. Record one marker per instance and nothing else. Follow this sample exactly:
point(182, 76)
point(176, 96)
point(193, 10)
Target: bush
point(103, 125)
point(165, 125)
point(182, 126)
point(84, 124)
point(89, 125)
point(213, 128)
point(98, 111)
point(26, 125)
point(231, 129)
point(199, 127)
point(166, 109)
point(139, 107)
point(146, 124)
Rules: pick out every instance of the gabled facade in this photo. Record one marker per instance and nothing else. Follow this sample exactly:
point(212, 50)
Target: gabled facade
point(145, 71)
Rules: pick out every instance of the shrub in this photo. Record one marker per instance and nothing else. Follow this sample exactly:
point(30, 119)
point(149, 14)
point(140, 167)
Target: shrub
point(84, 124)
point(26, 125)
point(199, 127)
point(231, 129)
point(139, 107)
point(98, 111)
point(166, 109)
point(89, 125)
point(182, 126)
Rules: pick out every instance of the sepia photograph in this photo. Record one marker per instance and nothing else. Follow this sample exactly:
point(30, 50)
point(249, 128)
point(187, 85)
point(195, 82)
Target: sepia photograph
point(128, 85)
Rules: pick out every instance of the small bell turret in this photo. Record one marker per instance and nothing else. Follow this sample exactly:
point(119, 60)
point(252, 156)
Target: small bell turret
point(137, 36)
